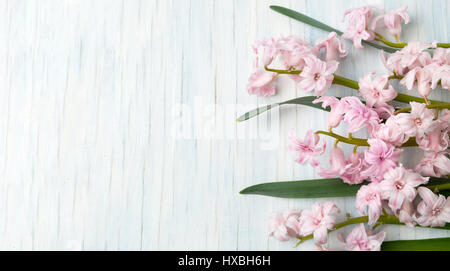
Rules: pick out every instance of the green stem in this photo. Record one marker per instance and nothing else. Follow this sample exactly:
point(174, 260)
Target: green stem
point(351, 141)
point(402, 44)
point(433, 106)
point(363, 142)
point(283, 71)
point(440, 187)
point(384, 219)
point(339, 80)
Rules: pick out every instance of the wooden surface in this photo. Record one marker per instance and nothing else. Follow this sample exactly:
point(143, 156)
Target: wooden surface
point(117, 121)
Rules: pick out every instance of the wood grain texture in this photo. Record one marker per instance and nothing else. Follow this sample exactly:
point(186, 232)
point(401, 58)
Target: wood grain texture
point(117, 126)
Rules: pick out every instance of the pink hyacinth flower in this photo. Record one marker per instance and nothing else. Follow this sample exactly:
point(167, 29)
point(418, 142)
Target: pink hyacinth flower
point(266, 50)
point(411, 56)
point(361, 240)
point(338, 164)
point(441, 56)
point(368, 201)
point(379, 158)
point(348, 170)
point(436, 141)
point(434, 210)
point(284, 226)
point(333, 46)
point(262, 83)
point(442, 74)
point(359, 115)
point(390, 133)
point(376, 92)
point(414, 55)
point(358, 23)
point(392, 20)
point(399, 186)
point(293, 50)
point(434, 164)
point(317, 75)
point(352, 174)
point(308, 149)
point(418, 122)
point(338, 108)
point(318, 221)
point(406, 214)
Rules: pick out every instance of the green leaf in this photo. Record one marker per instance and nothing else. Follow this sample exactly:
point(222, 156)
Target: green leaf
point(308, 20)
point(437, 181)
point(437, 244)
point(320, 188)
point(302, 100)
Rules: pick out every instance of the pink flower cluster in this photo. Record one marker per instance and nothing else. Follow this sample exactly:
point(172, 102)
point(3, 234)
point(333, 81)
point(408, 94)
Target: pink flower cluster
point(317, 221)
point(387, 186)
point(292, 53)
point(362, 24)
point(392, 188)
point(419, 68)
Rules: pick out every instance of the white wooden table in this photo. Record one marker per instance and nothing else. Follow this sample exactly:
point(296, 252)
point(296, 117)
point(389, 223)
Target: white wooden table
point(117, 121)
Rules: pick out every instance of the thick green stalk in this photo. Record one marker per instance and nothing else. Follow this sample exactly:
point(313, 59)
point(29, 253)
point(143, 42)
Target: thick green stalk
point(440, 187)
point(340, 80)
point(432, 106)
point(403, 44)
point(363, 142)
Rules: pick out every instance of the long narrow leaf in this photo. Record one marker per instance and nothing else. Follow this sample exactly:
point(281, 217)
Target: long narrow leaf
point(310, 21)
point(307, 101)
point(323, 188)
point(437, 244)
point(320, 188)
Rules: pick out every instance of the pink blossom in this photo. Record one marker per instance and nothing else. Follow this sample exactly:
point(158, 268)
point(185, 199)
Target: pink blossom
point(411, 56)
point(269, 50)
point(318, 221)
point(349, 170)
point(262, 83)
point(352, 174)
point(444, 119)
point(379, 158)
point(368, 201)
point(427, 79)
point(317, 75)
point(393, 64)
point(293, 51)
point(390, 132)
point(414, 55)
point(358, 115)
point(406, 214)
point(384, 111)
point(392, 20)
point(441, 56)
point(361, 240)
point(398, 186)
point(358, 24)
point(308, 149)
point(418, 122)
point(338, 108)
point(434, 164)
point(376, 92)
point(436, 141)
point(338, 164)
point(434, 210)
point(442, 74)
point(284, 226)
point(333, 46)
